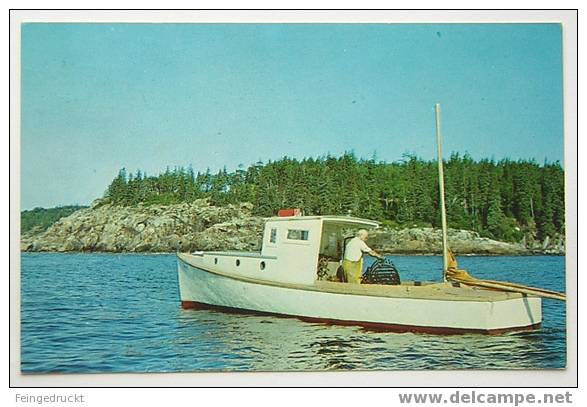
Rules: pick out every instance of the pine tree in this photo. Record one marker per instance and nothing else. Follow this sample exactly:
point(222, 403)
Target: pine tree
point(117, 189)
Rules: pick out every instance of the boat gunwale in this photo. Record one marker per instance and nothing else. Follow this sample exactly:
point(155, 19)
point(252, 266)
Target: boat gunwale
point(366, 289)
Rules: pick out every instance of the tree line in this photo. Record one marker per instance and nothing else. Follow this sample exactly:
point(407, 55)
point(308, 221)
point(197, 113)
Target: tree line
point(505, 200)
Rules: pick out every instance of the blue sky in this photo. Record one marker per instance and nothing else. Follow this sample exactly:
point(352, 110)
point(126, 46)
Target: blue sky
point(99, 97)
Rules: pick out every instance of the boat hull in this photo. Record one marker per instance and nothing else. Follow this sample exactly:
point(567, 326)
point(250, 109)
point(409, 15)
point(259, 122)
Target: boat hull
point(201, 287)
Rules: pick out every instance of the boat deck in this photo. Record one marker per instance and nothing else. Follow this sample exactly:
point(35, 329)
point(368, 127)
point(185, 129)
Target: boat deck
point(428, 290)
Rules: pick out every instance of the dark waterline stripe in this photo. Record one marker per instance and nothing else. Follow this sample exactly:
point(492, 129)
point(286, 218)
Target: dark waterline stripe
point(374, 326)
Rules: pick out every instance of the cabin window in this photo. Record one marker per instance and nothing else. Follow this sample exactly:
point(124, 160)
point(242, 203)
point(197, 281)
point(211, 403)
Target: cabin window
point(215, 260)
point(297, 234)
point(273, 235)
point(238, 262)
point(262, 265)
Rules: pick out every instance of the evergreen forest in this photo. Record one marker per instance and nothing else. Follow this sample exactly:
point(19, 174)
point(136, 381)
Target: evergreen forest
point(506, 200)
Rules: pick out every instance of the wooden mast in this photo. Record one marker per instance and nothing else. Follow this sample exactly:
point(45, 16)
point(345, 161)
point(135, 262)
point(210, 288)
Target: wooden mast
point(441, 187)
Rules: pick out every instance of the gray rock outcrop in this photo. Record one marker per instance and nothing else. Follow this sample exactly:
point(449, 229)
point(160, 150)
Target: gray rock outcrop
point(429, 241)
point(199, 225)
point(183, 227)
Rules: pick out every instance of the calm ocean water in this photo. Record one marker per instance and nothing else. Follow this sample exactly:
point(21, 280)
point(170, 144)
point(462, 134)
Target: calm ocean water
point(121, 313)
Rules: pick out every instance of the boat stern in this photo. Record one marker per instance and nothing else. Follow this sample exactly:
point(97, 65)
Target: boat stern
point(516, 314)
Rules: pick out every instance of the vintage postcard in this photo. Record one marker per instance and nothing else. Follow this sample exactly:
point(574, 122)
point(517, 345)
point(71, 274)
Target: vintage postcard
point(270, 196)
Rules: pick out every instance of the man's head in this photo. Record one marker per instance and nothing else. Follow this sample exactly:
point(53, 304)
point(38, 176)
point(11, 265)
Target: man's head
point(362, 234)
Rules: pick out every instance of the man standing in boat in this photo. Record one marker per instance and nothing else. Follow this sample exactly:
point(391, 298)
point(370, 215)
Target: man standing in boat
point(352, 263)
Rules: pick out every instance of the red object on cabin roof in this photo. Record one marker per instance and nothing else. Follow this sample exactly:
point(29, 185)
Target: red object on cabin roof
point(289, 212)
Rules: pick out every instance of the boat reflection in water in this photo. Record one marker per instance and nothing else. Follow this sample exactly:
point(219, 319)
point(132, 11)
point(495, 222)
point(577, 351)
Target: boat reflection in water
point(250, 342)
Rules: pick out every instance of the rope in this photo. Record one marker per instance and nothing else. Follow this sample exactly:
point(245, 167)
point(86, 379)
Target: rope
point(453, 273)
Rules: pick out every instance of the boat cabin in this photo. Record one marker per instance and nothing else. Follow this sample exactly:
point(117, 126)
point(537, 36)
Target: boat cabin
point(308, 248)
point(295, 249)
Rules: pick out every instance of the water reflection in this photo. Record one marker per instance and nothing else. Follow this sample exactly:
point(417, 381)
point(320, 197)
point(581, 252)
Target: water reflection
point(291, 344)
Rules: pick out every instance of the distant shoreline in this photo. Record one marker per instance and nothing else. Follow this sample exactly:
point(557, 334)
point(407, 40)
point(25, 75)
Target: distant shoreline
point(201, 226)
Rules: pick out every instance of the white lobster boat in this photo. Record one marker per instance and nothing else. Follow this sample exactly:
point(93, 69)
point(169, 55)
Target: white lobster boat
point(282, 279)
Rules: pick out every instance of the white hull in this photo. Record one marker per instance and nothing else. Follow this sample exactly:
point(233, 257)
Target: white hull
point(477, 311)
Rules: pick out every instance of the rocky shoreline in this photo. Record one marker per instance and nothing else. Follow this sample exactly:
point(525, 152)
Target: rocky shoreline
point(200, 226)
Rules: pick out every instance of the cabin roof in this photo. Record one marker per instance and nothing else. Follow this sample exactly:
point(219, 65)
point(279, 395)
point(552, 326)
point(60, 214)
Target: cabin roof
point(332, 219)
